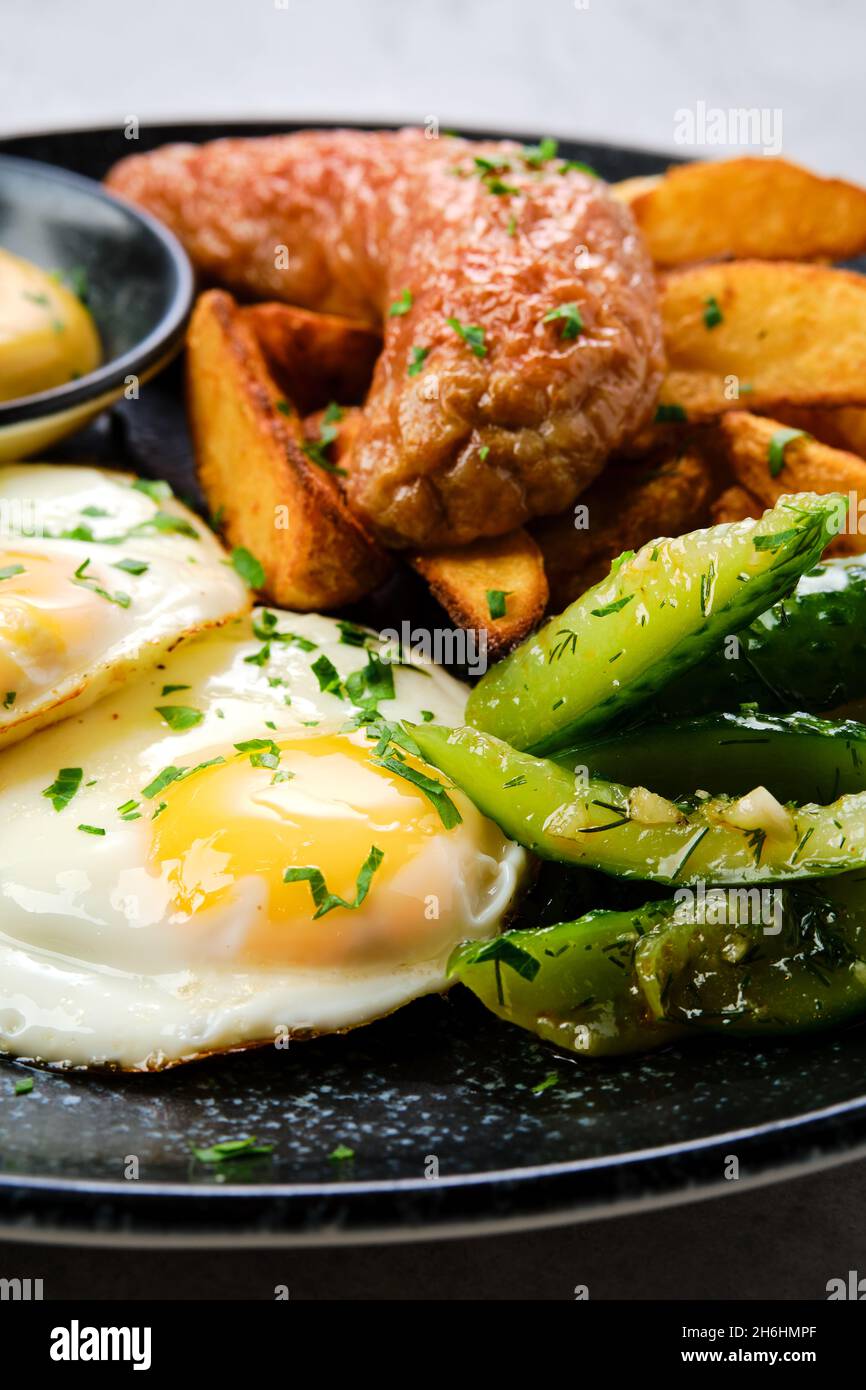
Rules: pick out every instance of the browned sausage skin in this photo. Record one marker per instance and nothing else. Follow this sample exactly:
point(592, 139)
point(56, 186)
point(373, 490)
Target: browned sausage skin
point(473, 442)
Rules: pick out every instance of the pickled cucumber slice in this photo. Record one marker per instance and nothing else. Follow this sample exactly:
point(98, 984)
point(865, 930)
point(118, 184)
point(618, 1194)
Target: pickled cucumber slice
point(634, 833)
point(796, 756)
point(724, 962)
point(573, 984)
point(807, 652)
point(658, 613)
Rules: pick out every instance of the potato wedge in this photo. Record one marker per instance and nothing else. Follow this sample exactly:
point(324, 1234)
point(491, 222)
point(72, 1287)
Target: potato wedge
point(740, 208)
point(768, 465)
point(315, 358)
point(628, 190)
point(627, 506)
point(844, 428)
point(472, 582)
point(735, 504)
point(776, 333)
point(271, 497)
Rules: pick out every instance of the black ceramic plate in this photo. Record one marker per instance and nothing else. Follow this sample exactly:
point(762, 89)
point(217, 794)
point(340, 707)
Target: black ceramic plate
point(439, 1086)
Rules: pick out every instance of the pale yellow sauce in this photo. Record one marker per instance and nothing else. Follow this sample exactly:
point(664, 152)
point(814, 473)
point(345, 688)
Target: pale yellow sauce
point(47, 336)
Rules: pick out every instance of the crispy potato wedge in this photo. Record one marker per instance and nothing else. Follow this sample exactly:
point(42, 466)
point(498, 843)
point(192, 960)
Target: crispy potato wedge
point(626, 507)
point(749, 207)
point(271, 497)
point(803, 465)
point(628, 190)
point(467, 581)
point(779, 334)
point(735, 504)
point(844, 428)
point(315, 358)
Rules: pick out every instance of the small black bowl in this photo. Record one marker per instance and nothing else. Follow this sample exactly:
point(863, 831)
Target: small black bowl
point(139, 282)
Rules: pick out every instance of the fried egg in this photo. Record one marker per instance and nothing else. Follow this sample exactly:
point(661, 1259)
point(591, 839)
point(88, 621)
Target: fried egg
point(241, 847)
point(100, 575)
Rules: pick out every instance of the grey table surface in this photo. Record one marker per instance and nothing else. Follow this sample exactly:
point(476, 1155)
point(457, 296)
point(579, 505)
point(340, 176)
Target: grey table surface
point(617, 70)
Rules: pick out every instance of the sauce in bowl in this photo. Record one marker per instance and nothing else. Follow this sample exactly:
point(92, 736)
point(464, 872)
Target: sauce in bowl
point(47, 336)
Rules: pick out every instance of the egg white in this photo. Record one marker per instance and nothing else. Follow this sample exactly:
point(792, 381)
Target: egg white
point(93, 971)
point(63, 648)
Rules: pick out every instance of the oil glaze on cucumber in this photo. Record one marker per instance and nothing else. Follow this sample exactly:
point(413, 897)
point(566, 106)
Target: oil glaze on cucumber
point(656, 616)
point(633, 833)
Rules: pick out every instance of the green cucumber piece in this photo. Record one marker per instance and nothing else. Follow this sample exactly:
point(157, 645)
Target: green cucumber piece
point(573, 984)
point(658, 613)
point(737, 977)
point(798, 757)
point(807, 652)
point(617, 982)
point(607, 826)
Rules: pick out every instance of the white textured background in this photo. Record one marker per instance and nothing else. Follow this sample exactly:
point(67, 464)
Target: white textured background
point(612, 69)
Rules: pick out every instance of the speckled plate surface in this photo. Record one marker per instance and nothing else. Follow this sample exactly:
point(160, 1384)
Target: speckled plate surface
point(440, 1088)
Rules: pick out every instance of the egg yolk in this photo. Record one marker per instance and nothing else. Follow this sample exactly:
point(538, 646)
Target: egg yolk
point(325, 807)
point(47, 621)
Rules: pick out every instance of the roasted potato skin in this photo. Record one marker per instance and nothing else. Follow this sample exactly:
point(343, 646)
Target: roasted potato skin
point(462, 578)
point(270, 498)
point(315, 358)
point(630, 504)
point(748, 207)
point(807, 466)
point(788, 334)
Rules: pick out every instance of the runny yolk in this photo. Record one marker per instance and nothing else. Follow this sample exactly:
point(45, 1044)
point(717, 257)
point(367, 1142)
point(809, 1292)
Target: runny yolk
point(232, 823)
point(47, 622)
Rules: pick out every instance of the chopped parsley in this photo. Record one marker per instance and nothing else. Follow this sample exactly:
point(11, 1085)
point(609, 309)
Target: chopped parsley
point(351, 635)
point(776, 541)
point(84, 581)
point(24, 1086)
point(776, 451)
point(180, 717)
point(341, 1154)
point(154, 488)
point(471, 334)
point(230, 1149)
point(328, 676)
point(64, 787)
point(433, 790)
point(374, 682)
point(552, 1079)
point(9, 699)
point(170, 689)
point(250, 570)
point(92, 829)
point(713, 315)
point(572, 323)
point(580, 165)
point(483, 452)
point(497, 602)
point(505, 952)
point(323, 899)
point(417, 357)
point(401, 306)
point(10, 571)
point(284, 408)
point(171, 774)
point(669, 414)
point(314, 449)
point(131, 566)
point(537, 155)
point(613, 607)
